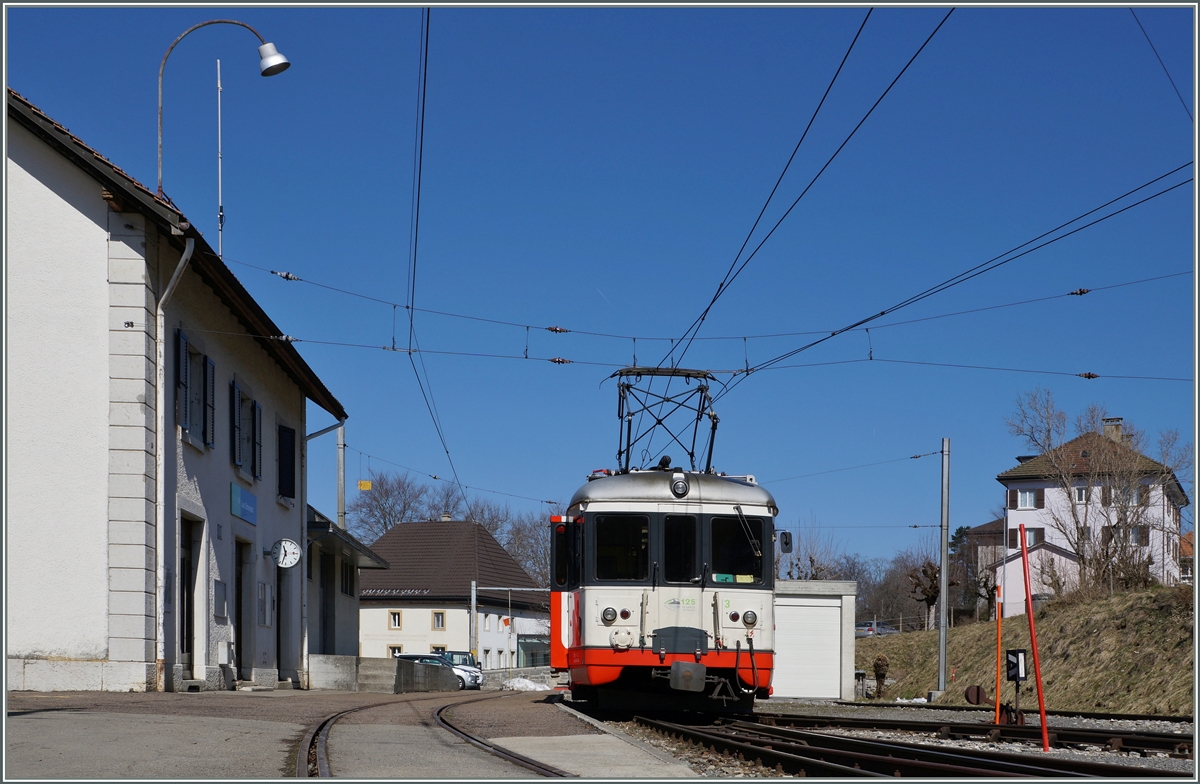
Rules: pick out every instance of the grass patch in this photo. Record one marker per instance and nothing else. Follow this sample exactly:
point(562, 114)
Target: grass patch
point(1131, 653)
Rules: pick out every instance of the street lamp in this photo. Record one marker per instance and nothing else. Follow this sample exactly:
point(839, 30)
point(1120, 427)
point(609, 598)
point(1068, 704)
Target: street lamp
point(270, 62)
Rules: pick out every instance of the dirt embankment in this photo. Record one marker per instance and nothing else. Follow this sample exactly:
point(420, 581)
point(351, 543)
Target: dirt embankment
point(1130, 654)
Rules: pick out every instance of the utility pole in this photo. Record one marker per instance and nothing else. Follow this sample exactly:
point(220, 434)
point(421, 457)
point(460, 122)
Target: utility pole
point(341, 477)
point(944, 572)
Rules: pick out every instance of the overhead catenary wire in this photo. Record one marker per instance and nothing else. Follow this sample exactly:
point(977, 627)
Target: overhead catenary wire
point(711, 338)
point(991, 264)
point(1164, 65)
point(849, 468)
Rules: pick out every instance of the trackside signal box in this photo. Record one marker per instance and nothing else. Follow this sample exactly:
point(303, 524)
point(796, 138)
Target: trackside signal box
point(1016, 665)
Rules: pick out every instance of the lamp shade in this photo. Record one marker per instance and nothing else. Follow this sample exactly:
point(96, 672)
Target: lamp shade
point(271, 61)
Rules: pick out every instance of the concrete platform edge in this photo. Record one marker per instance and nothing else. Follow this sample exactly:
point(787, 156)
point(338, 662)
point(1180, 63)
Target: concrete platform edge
point(661, 756)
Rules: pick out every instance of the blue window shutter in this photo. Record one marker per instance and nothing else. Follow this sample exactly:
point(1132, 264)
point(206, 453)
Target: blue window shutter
point(257, 441)
point(235, 420)
point(210, 403)
point(182, 393)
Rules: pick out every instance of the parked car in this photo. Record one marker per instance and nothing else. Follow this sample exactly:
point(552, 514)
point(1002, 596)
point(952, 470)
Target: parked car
point(873, 628)
point(468, 677)
point(463, 659)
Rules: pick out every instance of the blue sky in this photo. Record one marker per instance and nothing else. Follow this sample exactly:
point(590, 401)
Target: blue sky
point(598, 169)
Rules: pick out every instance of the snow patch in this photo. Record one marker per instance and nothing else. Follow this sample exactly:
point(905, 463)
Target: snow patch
point(913, 701)
point(523, 684)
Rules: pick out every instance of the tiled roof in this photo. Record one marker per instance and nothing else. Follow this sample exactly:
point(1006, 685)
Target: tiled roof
point(1186, 545)
point(130, 195)
point(439, 559)
point(1076, 453)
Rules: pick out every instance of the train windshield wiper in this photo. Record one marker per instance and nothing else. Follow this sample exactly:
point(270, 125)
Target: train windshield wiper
point(746, 529)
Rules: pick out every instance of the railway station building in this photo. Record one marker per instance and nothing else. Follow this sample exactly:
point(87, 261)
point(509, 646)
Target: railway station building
point(422, 602)
point(1094, 508)
point(156, 436)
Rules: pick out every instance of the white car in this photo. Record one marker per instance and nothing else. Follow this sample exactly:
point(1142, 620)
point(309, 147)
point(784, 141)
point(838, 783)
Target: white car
point(468, 677)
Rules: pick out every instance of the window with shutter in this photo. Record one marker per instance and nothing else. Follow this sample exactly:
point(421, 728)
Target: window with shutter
point(1013, 542)
point(210, 403)
point(1106, 496)
point(1143, 495)
point(235, 423)
point(182, 372)
point(287, 461)
point(1143, 533)
point(257, 441)
point(1012, 499)
point(1039, 498)
point(1106, 535)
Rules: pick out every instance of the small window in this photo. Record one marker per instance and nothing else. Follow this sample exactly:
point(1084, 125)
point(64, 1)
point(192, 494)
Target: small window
point(394, 619)
point(487, 622)
point(1081, 495)
point(439, 620)
point(265, 602)
point(437, 648)
point(286, 446)
point(1025, 499)
point(395, 651)
point(622, 547)
point(196, 388)
point(246, 431)
point(1032, 536)
point(347, 578)
point(487, 658)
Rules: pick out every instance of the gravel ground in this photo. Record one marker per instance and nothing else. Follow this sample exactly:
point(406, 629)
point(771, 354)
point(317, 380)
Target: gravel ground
point(518, 714)
point(706, 763)
point(699, 759)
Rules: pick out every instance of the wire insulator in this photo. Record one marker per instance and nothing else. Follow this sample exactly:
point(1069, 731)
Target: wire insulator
point(1078, 292)
point(1087, 375)
point(560, 361)
point(558, 330)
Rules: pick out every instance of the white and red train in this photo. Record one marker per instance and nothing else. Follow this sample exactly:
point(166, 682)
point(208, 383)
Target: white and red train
point(662, 590)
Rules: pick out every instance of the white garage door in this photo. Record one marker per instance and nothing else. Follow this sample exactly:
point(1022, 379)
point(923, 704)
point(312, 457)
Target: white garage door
point(808, 650)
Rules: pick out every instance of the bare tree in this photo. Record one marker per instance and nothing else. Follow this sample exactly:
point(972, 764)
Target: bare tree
point(444, 499)
point(527, 540)
point(491, 515)
point(1106, 457)
point(814, 555)
point(392, 499)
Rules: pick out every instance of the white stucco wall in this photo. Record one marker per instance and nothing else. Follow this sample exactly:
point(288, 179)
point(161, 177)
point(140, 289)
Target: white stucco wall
point(199, 480)
point(418, 635)
point(57, 399)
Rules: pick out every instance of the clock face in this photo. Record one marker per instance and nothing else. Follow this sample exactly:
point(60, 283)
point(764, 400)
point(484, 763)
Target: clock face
point(285, 553)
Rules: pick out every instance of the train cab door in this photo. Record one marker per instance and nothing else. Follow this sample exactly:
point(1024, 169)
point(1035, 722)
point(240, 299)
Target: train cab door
point(564, 569)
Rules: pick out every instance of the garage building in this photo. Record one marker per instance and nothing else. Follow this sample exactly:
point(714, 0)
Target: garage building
point(814, 639)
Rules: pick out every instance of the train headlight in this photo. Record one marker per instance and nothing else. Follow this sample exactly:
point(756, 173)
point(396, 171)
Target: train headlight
point(624, 615)
point(609, 615)
point(749, 617)
point(733, 616)
point(679, 486)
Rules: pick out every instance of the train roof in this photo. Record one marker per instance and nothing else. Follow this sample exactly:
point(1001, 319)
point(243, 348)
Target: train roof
point(655, 487)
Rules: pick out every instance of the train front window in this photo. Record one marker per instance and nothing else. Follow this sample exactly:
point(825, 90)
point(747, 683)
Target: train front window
point(733, 557)
point(622, 547)
point(679, 549)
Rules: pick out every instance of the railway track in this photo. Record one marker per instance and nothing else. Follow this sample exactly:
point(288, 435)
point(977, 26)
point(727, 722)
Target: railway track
point(1061, 713)
point(802, 752)
point(1111, 740)
point(312, 758)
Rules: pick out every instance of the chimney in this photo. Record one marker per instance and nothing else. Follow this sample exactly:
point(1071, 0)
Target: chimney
point(445, 517)
point(1112, 428)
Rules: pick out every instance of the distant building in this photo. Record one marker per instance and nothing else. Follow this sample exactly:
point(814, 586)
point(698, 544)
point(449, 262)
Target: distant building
point(421, 603)
point(155, 464)
point(1186, 575)
point(1093, 504)
point(333, 564)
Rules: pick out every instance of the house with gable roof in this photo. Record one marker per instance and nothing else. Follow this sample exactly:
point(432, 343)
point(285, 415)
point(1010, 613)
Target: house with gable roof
point(156, 445)
point(422, 603)
point(1092, 507)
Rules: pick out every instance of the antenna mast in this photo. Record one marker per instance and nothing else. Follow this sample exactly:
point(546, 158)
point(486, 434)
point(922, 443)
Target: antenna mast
point(220, 198)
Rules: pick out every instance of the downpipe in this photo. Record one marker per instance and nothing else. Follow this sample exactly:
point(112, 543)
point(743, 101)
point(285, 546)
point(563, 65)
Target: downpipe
point(160, 479)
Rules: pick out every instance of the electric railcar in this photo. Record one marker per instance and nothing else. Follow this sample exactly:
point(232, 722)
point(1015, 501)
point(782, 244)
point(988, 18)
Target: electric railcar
point(663, 590)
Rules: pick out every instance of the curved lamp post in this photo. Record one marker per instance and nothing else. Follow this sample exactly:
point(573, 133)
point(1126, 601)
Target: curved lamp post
point(271, 62)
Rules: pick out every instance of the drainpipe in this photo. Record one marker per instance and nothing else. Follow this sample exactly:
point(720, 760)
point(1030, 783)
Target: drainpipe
point(160, 478)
